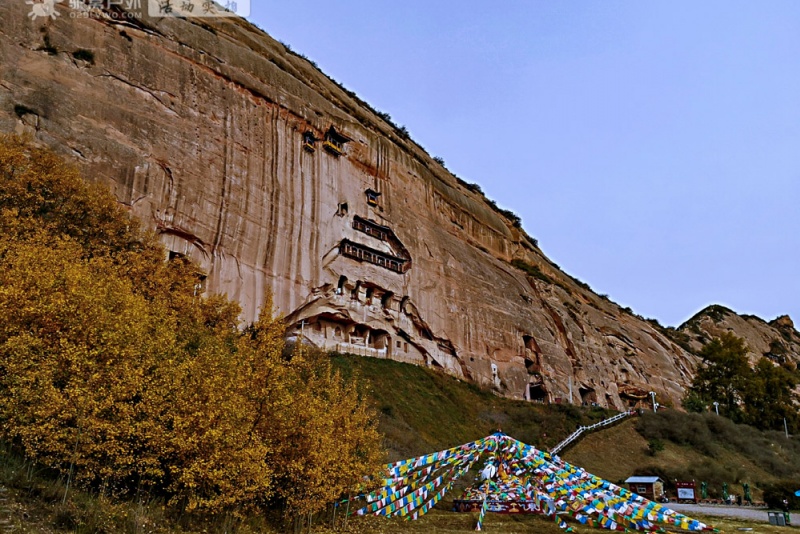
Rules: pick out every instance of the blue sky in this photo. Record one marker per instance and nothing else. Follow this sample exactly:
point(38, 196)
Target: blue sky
point(653, 148)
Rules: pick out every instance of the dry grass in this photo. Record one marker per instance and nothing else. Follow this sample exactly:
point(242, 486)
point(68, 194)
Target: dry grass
point(612, 453)
point(445, 522)
point(421, 411)
point(619, 452)
point(730, 526)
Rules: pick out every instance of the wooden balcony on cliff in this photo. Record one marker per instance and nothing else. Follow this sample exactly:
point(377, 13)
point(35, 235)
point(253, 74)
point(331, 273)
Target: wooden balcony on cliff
point(361, 252)
point(309, 142)
point(372, 229)
point(372, 197)
point(385, 234)
point(335, 141)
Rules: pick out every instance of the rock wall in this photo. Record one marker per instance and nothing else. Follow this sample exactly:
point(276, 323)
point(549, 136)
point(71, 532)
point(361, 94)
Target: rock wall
point(221, 139)
point(777, 340)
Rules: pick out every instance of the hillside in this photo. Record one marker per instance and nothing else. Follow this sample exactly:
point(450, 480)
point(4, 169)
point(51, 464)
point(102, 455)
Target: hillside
point(423, 411)
point(239, 154)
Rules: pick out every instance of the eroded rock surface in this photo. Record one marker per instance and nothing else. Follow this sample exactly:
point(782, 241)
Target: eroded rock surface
point(246, 158)
point(777, 339)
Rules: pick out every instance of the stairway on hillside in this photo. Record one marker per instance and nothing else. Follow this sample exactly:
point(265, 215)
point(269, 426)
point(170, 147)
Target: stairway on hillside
point(582, 429)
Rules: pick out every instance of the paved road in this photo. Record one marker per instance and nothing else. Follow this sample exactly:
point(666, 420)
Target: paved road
point(739, 512)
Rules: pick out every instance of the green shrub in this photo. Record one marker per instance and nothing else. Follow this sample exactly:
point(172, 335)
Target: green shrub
point(82, 54)
point(654, 446)
point(692, 402)
point(475, 188)
point(531, 270)
point(532, 240)
point(775, 494)
point(582, 284)
point(678, 428)
point(709, 434)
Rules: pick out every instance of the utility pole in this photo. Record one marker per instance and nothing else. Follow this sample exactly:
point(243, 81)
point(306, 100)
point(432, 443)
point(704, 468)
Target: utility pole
point(785, 428)
point(570, 390)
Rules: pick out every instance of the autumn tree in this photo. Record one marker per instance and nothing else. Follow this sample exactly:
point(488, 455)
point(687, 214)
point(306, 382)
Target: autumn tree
point(331, 443)
point(324, 433)
point(114, 371)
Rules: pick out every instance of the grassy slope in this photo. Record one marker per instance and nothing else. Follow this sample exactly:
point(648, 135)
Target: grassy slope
point(617, 453)
point(442, 522)
point(423, 411)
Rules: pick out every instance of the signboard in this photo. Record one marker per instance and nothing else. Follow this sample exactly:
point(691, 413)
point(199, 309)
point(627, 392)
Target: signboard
point(687, 491)
point(500, 507)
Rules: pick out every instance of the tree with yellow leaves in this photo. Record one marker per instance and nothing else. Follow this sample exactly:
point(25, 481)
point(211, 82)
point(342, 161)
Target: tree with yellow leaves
point(113, 371)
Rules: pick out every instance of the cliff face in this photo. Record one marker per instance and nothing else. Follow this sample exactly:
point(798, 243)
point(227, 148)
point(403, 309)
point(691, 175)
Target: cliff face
point(220, 139)
point(777, 340)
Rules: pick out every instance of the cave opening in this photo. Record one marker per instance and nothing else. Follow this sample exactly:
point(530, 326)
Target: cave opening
point(529, 342)
point(588, 395)
point(386, 300)
point(537, 393)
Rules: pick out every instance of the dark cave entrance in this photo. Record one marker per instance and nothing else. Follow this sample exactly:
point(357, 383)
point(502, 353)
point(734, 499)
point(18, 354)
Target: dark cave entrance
point(537, 392)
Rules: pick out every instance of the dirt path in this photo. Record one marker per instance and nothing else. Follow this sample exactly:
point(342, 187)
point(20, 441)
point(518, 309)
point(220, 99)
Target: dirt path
point(739, 512)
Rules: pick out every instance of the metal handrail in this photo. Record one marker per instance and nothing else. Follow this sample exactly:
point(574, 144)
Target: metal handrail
point(581, 429)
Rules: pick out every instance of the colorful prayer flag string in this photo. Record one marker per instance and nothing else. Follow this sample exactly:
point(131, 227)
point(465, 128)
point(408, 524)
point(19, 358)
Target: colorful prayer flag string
point(516, 478)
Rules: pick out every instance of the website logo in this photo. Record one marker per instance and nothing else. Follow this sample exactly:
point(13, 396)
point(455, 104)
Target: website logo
point(44, 9)
point(106, 9)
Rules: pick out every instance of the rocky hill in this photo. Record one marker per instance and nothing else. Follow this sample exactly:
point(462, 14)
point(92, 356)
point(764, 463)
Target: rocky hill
point(245, 157)
point(777, 340)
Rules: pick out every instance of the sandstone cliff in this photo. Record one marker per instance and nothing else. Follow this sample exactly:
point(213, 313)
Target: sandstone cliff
point(777, 340)
point(246, 158)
